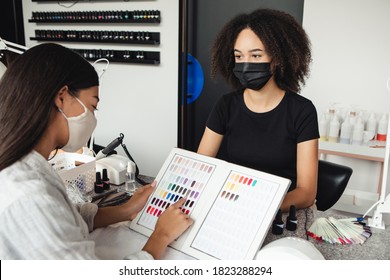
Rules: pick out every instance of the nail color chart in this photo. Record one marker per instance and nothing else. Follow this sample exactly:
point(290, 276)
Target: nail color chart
point(184, 177)
point(236, 216)
point(232, 206)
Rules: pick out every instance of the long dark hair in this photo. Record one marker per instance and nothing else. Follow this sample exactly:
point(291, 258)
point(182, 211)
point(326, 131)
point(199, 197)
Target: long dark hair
point(284, 40)
point(6, 57)
point(27, 92)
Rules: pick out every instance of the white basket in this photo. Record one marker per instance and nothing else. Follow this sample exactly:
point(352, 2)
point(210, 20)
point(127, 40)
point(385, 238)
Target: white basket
point(76, 170)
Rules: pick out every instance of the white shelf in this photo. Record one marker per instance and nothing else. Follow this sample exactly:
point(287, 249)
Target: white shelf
point(353, 209)
point(353, 151)
point(355, 201)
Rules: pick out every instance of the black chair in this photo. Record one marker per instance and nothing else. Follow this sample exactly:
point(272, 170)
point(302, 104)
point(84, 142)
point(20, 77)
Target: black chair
point(332, 181)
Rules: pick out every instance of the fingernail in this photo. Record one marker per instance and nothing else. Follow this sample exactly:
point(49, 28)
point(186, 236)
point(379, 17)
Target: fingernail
point(154, 183)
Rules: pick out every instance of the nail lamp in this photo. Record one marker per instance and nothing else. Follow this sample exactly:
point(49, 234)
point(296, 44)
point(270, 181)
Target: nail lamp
point(289, 248)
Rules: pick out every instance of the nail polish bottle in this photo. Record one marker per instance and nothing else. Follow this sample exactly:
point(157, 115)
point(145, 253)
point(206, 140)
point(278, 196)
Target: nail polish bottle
point(106, 181)
point(98, 183)
point(277, 224)
point(292, 221)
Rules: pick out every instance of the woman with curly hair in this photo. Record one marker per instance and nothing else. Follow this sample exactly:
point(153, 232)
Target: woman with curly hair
point(265, 124)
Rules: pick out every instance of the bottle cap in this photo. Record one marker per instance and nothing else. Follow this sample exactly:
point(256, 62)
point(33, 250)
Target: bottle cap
point(293, 211)
point(130, 167)
point(106, 181)
point(278, 225)
point(105, 177)
point(98, 177)
point(292, 221)
point(98, 187)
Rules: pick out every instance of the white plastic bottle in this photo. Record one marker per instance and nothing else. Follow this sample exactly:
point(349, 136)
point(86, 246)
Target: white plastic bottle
point(331, 111)
point(346, 131)
point(334, 129)
point(382, 128)
point(352, 116)
point(323, 127)
point(357, 134)
point(372, 123)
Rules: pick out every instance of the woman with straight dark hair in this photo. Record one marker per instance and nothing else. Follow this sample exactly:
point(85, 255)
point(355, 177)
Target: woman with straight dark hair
point(265, 124)
point(47, 99)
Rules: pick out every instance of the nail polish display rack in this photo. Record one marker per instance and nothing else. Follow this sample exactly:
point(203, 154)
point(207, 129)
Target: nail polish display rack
point(137, 16)
point(120, 37)
point(141, 57)
point(101, 36)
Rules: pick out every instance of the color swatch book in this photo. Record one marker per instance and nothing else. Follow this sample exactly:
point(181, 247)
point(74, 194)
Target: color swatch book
point(232, 206)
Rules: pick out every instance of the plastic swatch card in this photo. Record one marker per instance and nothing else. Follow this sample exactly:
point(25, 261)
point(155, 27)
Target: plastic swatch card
point(232, 206)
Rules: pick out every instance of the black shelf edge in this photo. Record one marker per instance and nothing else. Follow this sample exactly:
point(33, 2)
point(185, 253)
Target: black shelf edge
point(107, 16)
point(130, 42)
point(121, 56)
point(97, 21)
point(99, 36)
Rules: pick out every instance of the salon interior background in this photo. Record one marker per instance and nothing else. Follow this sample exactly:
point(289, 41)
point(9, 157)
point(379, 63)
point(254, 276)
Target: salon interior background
point(351, 62)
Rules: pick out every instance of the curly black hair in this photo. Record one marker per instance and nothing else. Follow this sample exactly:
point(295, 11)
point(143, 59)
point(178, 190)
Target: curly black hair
point(284, 40)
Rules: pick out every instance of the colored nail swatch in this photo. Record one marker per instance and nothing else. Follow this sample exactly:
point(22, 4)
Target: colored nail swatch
point(184, 177)
point(242, 202)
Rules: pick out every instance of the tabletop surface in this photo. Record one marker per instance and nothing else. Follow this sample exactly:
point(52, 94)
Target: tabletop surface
point(116, 241)
point(377, 247)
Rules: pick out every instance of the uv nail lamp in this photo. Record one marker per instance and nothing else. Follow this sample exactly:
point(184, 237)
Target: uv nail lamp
point(116, 166)
point(289, 248)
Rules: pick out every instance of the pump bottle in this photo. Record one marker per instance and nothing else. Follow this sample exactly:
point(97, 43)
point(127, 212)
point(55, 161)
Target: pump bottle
point(372, 123)
point(334, 129)
point(346, 131)
point(323, 127)
point(357, 135)
point(382, 128)
point(130, 185)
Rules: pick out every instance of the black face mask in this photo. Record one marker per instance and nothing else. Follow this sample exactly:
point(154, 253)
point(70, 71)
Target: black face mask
point(253, 75)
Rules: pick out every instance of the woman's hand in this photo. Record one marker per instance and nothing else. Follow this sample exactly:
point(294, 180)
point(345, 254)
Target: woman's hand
point(124, 212)
point(173, 222)
point(139, 199)
point(170, 225)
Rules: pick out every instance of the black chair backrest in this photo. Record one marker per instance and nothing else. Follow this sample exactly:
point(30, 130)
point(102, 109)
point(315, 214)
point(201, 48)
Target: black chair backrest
point(332, 181)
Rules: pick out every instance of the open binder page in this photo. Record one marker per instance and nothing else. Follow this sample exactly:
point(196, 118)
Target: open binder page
point(232, 206)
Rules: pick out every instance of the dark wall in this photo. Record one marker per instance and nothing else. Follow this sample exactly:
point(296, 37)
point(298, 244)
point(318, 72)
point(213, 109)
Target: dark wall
point(11, 21)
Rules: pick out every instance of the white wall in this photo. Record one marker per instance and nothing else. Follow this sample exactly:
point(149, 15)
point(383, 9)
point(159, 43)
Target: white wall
point(137, 100)
point(351, 57)
point(351, 63)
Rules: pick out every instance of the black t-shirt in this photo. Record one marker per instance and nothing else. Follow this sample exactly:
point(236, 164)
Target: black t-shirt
point(264, 141)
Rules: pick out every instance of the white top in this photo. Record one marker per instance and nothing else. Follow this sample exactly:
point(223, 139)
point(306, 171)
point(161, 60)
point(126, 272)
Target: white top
point(37, 219)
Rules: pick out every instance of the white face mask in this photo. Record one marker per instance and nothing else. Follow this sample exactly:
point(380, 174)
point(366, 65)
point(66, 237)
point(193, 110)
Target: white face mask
point(80, 129)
